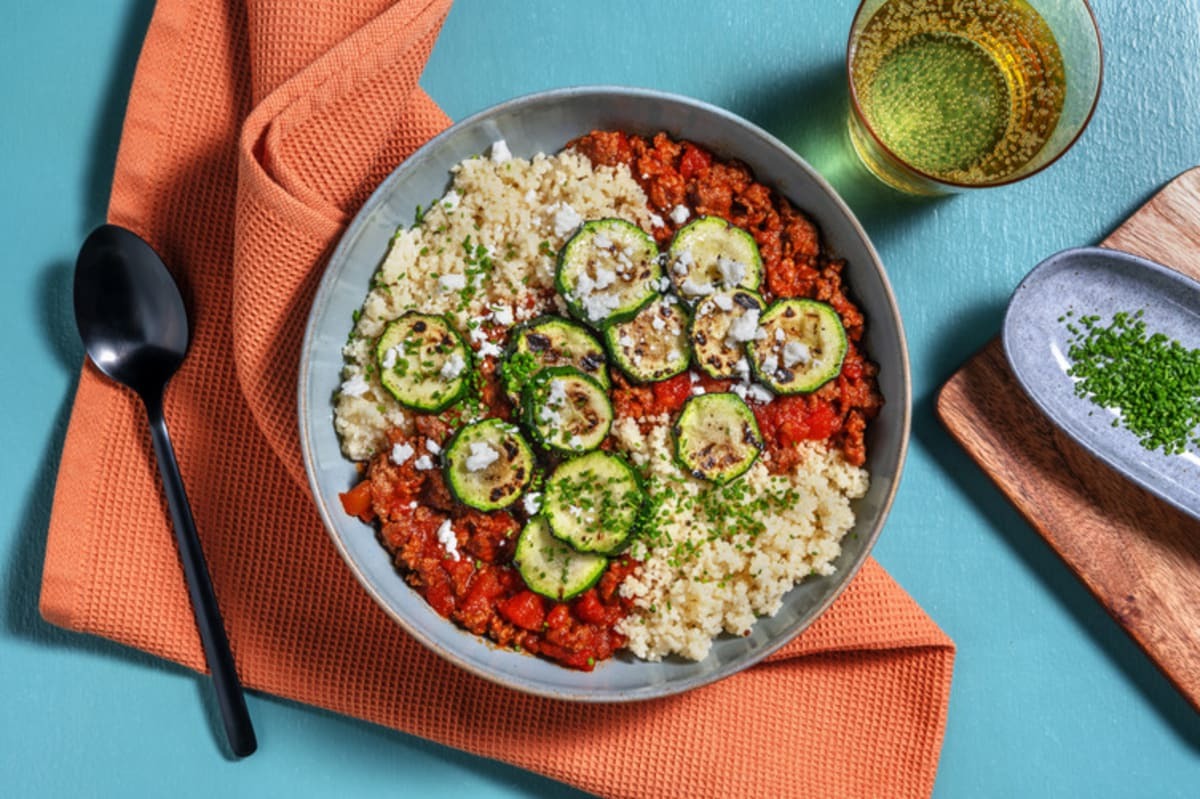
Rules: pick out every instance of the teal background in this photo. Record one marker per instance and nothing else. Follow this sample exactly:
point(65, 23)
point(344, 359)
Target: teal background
point(1050, 697)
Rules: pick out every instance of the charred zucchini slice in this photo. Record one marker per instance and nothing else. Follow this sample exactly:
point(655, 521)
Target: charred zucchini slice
point(551, 341)
point(802, 349)
point(552, 568)
point(721, 326)
point(488, 464)
point(565, 410)
point(708, 254)
point(607, 271)
point(423, 362)
point(654, 344)
point(592, 502)
point(717, 437)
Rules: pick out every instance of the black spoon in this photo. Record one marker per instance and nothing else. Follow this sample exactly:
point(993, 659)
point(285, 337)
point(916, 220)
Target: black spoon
point(134, 326)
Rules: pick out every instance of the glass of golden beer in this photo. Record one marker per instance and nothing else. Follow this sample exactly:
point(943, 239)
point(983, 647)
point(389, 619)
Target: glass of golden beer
point(948, 95)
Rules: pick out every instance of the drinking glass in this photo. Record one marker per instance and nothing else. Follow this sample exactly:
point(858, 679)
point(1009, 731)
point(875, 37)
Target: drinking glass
point(949, 95)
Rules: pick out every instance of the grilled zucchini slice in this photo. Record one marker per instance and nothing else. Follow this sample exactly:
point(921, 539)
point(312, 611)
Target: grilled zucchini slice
point(607, 271)
point(721, 325)
point(710, 253)
point(552, 568)
point(488, 464)
point(717, 437)
point(654, 344)
point(551, 341)
point(423, 362)
point(592, 502)
point(802, 349)
point(565, 410)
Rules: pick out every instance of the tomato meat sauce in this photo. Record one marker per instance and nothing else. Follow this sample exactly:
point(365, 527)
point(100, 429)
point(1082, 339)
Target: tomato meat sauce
point(675, 173)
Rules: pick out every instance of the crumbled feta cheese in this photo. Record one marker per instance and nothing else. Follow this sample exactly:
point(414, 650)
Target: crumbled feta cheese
point(657, 323)
point(674, 355)
point(500, 151)
point(680, 214)
point(657, 221)
point(745, 327)
point(453, 367)
point(423, 463)
point(477, 335)
point(779, 336)
point(452, 282)
point(740, 389)
point(770, 363)
point(566, 219)
point(355, 386)
point(482, 455)
point(732, 272)
point(401, 452)
point(625, 341)
point(795, 352)
point(600, 306)
point(742, 367)
point(605, 277)
point(695, 378)
point(532, 502)
point(575, 442)
point(760, 393)
point(602, 241)
point(531, 197)
point(503, 315)
point(683, 262)
point(723, 301)
point(697, 391)
point(451, 200)
point(490, 348)
point(446, 537)
point(694, 289)
point(664, 284)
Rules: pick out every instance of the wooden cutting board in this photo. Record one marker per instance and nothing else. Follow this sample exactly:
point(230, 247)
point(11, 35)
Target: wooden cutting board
point(1137, 554)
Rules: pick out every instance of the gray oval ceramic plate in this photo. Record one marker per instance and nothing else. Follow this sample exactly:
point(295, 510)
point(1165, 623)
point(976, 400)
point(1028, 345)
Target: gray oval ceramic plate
point(1094, 280)
point(545, 123)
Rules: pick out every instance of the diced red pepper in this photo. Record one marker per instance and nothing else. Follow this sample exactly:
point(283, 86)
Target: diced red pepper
point(670, 394)
point(524, 610)
point(357, 501)
point(694, 160)
point(559, 616)
point(589, 609)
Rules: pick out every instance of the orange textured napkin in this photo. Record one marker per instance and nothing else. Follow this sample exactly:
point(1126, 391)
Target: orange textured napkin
point(253, 132)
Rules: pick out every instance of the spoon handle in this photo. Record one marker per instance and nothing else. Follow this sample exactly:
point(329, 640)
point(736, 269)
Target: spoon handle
point(236, 717)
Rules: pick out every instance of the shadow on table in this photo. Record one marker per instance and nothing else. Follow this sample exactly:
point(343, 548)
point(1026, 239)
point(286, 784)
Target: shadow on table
point(809, 112)
point(972, 331)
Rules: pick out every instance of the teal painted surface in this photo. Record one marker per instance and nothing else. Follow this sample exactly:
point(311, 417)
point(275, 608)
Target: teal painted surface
point(1050, 697)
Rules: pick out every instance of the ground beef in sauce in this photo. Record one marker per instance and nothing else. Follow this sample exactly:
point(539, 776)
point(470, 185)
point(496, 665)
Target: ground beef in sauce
point(682, 173)
point(476, 589)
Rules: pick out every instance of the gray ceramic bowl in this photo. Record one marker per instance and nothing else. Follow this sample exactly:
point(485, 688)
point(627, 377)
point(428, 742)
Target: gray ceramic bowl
point(546, 122)
point(1094, 280)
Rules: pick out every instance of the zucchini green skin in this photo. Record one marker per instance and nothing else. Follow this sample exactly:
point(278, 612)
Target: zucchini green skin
point(813, 325)
point(497, 485)
point(633, 286)
point(586, 406)
point(695, 257)
point(717, 437)
point(432, 342)
point(551, 341)
point(654, 344)
point(709, 331)
point(593, 502)
point(552, 568)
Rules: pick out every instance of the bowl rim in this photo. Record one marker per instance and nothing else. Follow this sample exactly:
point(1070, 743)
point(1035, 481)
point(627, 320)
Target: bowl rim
point(649, 691)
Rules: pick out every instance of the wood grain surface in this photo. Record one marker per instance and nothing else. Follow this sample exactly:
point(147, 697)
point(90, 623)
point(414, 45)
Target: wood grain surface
point(1137, 554)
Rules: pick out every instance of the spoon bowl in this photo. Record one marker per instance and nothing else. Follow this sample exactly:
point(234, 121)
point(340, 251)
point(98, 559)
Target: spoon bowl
point(134, 327)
